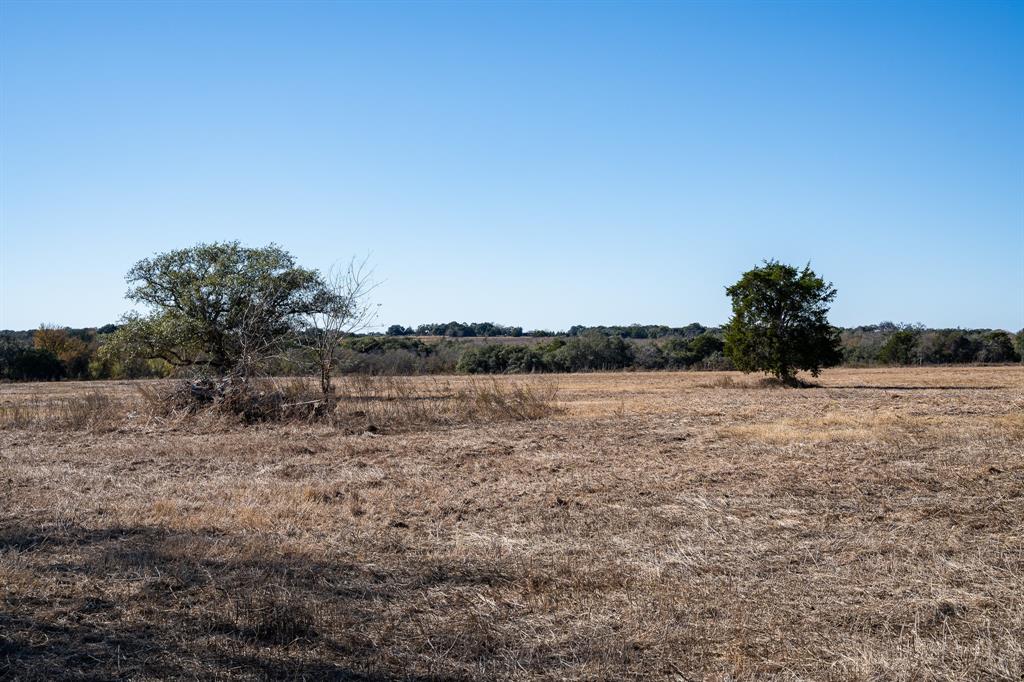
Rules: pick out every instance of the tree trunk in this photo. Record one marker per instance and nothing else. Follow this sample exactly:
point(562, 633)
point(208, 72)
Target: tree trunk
point(325, 383)
point(785, 375)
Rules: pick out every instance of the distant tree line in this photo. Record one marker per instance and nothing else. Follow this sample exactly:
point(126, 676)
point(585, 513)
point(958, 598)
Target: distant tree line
point(640, 331)
point(52, 353)
point(903, 344)
point(491, 329)
point(455, 330)
point(593, 351)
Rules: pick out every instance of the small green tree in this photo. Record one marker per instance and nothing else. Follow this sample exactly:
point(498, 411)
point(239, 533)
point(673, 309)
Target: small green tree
point(222, 306)
point(591, 351)
point(22, 363)
point(997, 346)
point(899, 348)
point(684, 353)
point(780, 322)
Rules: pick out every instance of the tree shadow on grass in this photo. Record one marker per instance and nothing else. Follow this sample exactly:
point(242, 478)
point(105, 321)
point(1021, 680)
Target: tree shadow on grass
point(145, 602)
point(875, 387)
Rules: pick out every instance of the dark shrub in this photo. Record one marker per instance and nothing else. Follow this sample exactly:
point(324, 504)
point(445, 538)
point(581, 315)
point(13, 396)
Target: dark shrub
point(29, 364)
point(501, 359)
point(383, 344)
point(648, 356)
point(899, 349)
point(685, 353)
point(997, 346)
point(717, 361)
point(944, 346)
point(591, 351)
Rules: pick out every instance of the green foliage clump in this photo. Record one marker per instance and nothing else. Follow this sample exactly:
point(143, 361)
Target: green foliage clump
point(589, 352)
point(501, 359)
point(649, 356)
point(780, 322)
point(640, 331)
point(900, 348)
point(109, 363)
point(463, 329)
point(997, 346)
point(948, 346)
point(23, 363)
point(219, 306)
point(383, 344)
point(685, 353)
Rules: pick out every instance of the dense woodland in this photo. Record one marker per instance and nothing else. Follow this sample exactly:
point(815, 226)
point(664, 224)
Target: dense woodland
point(53, 353)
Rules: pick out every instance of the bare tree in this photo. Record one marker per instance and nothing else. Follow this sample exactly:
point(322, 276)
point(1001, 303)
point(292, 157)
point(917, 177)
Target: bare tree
point(345, 309)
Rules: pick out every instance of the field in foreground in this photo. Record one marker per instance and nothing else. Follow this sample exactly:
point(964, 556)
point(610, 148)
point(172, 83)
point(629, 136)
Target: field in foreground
point(659, 526)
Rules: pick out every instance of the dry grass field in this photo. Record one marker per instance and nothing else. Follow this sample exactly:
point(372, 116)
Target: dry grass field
point(676, 526)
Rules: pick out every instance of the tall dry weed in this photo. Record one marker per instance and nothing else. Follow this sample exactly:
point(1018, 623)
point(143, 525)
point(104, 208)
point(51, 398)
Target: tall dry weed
point(361, 402)
point(92, 411)
point(396, 402)
point(493, 400)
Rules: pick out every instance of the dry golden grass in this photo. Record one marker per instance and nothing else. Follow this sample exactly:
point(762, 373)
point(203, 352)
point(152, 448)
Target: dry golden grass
point(657, 526)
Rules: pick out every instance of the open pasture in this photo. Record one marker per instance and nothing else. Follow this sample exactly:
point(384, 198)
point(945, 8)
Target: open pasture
point(654, 526)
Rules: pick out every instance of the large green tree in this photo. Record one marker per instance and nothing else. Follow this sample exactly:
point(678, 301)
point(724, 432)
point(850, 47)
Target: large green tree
point(222, 306)
point(779, 322)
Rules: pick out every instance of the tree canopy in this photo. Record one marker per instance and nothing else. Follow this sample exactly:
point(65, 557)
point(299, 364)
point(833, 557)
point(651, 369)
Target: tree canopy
point(219, 305)
point(780, 322)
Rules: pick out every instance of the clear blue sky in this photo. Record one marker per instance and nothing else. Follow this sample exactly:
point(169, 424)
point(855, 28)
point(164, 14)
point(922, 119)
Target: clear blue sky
point(542, 164)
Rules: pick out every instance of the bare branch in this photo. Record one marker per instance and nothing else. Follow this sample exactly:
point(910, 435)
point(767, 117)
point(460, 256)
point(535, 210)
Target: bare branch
point(345, 309)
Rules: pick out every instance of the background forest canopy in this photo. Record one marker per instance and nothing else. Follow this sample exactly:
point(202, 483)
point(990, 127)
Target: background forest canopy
point(52, 352)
